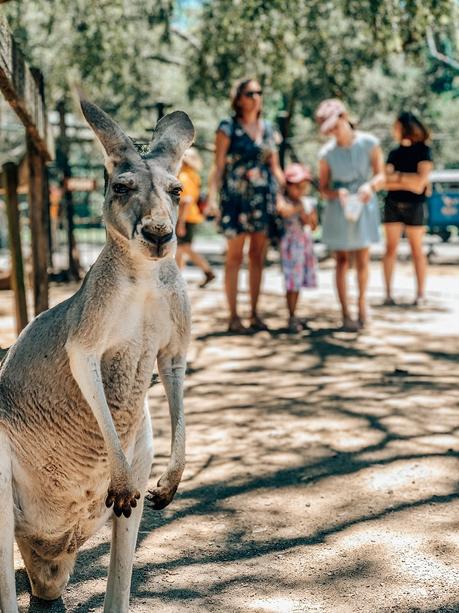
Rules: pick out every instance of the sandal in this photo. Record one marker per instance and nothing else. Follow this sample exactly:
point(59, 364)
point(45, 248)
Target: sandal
point(389, 301)
point(209, 276)
point(349, 325)
point(257, 324)
point(235, 326)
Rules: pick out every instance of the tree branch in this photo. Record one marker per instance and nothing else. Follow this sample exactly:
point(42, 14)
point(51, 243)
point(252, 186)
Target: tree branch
point(441, 57)
point(166, 59)
point(185, 36)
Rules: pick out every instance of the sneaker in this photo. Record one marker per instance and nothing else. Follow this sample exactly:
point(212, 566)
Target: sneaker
point(420, 301)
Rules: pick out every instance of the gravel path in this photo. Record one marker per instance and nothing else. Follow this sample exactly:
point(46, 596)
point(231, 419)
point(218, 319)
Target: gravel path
point(322, 468)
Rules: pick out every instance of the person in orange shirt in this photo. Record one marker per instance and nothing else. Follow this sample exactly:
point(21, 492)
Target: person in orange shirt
point(190, 215)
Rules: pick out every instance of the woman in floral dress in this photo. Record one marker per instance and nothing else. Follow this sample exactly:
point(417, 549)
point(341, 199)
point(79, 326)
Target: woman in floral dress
point(246, 172)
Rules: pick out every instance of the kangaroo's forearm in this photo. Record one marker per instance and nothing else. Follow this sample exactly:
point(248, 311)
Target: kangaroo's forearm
point(172, 373)
point(85, 367)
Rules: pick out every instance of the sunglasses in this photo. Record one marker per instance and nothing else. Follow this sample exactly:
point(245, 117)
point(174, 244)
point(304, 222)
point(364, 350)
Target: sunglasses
point(252, 94)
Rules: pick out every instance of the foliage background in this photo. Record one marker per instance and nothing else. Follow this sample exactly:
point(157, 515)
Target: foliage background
point(132, 55)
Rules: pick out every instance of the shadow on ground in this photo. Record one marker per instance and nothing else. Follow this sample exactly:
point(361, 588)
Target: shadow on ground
point(322, 475)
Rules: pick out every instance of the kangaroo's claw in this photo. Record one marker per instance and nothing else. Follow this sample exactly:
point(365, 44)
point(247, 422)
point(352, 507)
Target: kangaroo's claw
point(161, 496)
point(123, 500)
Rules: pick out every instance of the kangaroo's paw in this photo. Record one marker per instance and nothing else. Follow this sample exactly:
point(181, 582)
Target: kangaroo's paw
point(162, 495)
point(123, 499)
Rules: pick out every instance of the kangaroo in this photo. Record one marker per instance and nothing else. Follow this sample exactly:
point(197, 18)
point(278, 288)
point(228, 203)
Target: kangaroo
point(75, 430)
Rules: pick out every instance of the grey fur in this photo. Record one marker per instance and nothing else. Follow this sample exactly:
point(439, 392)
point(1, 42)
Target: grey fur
point(75, 431)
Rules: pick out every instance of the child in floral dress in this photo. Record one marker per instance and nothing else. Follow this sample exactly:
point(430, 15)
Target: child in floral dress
point(299, 264)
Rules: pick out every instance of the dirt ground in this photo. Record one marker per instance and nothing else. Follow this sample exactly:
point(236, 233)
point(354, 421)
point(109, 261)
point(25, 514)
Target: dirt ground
point(322, 468)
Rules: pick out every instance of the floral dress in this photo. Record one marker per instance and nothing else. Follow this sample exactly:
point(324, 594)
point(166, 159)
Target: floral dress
point(299, 263)
point(248, 192)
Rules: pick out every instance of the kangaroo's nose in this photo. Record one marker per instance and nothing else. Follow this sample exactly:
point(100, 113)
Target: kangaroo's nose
point(157, 234)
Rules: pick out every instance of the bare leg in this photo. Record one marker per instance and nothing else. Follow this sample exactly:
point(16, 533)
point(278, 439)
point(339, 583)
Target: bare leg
point(180, 256)
point(8, 602)
point(415, 235)
point(257, 254)
point(393, 233)
point(342, 265)
point(197, 259)
point(362, 259)
point(233, 263)
point(292, 300)
point(124, 530)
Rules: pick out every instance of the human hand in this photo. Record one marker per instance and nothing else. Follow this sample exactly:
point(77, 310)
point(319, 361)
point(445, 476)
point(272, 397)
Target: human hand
point(212, 209)
point(312, 221)
point(343, 195)
point(284, 208)
point(365, 193)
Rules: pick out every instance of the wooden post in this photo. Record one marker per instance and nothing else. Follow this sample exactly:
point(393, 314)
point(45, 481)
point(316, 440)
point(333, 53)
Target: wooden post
point(40, 83)
point(10, 179)
point(38, 226)
point(63, 159)
point(48, 215)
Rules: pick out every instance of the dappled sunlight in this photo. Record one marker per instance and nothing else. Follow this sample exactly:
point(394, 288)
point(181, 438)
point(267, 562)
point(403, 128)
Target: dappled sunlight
point(322, 469)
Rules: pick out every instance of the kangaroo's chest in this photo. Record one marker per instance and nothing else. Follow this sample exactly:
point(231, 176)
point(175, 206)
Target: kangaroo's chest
point(131, 346)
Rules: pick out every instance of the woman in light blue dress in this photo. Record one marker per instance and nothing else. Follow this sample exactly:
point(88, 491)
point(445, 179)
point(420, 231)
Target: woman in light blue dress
point(351, 168)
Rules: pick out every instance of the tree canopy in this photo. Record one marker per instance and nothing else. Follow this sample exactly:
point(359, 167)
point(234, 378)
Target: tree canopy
point(187, 53)
point(317, 46)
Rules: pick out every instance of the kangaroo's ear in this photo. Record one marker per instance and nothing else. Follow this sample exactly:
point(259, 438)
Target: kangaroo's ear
point(117, 145)
point(173, 135)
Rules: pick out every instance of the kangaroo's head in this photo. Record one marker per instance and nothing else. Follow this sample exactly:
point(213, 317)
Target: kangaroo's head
point(142, 196)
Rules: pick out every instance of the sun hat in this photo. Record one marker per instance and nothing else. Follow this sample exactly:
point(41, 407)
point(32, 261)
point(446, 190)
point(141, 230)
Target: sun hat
point(328, 113)
point(297, 173)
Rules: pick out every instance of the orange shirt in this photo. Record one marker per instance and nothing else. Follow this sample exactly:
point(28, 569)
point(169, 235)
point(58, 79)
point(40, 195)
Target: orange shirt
point(191, 183)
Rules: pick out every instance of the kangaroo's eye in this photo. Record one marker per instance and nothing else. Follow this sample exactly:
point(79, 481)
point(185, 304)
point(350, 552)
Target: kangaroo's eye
point(120, 188)
point(175, 193)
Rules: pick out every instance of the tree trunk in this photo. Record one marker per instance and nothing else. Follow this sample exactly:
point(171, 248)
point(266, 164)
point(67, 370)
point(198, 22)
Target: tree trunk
point(38, 226)
point(63, 159)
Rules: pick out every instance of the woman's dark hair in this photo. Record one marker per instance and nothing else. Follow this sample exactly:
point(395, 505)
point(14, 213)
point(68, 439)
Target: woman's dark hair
point(412, 129)
point(236, 92)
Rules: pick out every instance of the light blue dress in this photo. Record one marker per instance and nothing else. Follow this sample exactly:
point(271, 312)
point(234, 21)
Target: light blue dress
point(350, 167)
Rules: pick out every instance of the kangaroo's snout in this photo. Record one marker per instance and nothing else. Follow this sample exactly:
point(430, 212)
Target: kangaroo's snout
point(157, 235)
point(152, 235)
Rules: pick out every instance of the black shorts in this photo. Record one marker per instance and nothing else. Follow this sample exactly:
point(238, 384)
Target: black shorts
point(189, 233)
point(408, 213)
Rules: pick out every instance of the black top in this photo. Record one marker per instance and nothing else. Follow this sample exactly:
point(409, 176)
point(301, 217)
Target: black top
point(406, 159)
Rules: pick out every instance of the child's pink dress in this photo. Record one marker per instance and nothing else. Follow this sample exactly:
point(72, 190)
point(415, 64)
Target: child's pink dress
point(299, 264)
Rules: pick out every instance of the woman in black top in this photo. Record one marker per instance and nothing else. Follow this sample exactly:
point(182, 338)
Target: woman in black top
point(407, 176)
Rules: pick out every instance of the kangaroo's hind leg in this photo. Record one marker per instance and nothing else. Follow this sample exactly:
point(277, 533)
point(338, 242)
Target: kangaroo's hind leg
point(124, 530)
point(8, 603)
